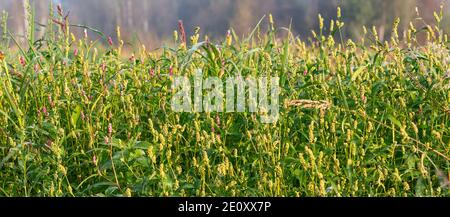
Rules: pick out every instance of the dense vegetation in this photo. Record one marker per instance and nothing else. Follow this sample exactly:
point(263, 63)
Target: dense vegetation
point(358, 118)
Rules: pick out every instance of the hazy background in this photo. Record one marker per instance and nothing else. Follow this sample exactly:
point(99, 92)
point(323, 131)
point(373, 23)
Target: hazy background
point(153, 21)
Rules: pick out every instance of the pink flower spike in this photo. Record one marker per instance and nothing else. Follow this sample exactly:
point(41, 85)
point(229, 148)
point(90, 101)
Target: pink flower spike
point(85, 33)
point(213, 130)
point(110, 41)
point(305, 72)
point(110, 129)
point(75, 52)
point(94, 160)
point(83, 117)
point(50, 100)
point(49, 143)
point(22, 61)
point(171, 71)
point(44, 110)
point(103, 67)
point(218, 120)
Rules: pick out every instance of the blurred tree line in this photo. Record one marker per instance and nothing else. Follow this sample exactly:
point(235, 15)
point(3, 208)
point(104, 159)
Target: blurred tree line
point(153, 21)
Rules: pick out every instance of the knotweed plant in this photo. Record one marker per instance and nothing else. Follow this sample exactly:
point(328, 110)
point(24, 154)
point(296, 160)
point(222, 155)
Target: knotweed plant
point(79, 117)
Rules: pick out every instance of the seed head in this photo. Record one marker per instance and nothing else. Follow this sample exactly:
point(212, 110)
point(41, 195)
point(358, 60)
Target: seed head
point(59, 8)
point(118, 32)
point(320, 21)
point(414, 126)
point(311, 133)
point(175, 36)
point(229, 38)
point(271, 19)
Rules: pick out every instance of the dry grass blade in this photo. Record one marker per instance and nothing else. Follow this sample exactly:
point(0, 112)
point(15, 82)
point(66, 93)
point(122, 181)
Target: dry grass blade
point(309, 104)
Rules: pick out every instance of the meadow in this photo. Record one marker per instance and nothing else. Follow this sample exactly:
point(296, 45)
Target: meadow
point(357, 117)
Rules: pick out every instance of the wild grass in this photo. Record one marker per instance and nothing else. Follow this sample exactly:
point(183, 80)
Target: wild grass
point(358, 118)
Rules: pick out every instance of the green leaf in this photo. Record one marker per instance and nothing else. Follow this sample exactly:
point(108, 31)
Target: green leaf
point(75, 116)
point(296, 173)
point(395, 121)
point(358, 72)
point(11, 153)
